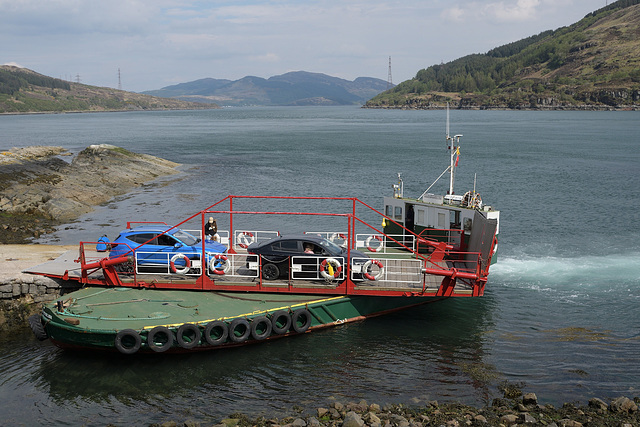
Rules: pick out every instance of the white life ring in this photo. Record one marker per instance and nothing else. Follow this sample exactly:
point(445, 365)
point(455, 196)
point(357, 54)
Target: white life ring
point(245, 238)
point(187, 263)
point(330, 268)
point(368, 264)
point(335, 236)
point(225, 264)
point(368, 243)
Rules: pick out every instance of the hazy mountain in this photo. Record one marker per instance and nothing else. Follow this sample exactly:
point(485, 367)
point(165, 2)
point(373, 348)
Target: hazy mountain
point(294, 88)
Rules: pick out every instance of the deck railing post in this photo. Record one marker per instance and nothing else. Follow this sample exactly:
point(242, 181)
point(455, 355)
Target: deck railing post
point(231, 233)
point(204, 248)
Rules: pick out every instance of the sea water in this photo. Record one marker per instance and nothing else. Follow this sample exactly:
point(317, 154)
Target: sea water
point(559, 316)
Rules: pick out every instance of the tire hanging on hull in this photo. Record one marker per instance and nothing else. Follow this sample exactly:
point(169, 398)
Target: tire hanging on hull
point(128, 341)
point(301, 320)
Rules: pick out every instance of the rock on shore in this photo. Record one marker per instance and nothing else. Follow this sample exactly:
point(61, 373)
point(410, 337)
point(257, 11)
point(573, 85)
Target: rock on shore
point(522, 411)
point(40, 188)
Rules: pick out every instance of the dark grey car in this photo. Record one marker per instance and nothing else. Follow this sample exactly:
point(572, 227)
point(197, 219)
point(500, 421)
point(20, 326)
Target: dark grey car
point(276, 254)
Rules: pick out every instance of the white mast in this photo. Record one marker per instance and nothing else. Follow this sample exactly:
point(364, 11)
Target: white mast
point(453, 143)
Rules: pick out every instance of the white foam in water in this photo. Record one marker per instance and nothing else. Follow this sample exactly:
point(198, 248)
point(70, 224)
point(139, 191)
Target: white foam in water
point(569, 272)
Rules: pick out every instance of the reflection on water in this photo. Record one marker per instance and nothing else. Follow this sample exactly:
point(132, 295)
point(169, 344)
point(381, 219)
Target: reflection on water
point(428, 352)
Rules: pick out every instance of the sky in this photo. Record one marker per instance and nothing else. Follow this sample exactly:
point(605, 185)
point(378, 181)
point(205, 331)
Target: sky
point(150, 44)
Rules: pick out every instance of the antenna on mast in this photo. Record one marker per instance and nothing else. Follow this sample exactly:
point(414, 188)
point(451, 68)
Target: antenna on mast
point(453, 144)
point(447, 121)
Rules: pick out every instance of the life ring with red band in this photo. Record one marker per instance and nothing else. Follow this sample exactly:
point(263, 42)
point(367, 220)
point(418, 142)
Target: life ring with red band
point(335, 236)
point(224, 264)
point(374, 237)
point(328, 265)
point(367, 274)
point(244, 241)
point(187, 264)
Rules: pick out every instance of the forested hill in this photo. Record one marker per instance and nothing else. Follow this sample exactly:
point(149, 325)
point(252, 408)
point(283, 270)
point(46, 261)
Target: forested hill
point(25, 91)
point(592, 64)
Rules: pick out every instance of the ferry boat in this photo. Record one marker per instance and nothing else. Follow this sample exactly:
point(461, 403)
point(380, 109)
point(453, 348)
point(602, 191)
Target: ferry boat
point(264, 286)
point(450, 218)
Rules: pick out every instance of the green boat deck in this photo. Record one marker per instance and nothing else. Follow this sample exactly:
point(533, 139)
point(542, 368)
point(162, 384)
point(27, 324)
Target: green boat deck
point(109, 309)
point(131, 320)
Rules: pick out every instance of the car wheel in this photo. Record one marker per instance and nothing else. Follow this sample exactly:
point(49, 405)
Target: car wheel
point(270, 271)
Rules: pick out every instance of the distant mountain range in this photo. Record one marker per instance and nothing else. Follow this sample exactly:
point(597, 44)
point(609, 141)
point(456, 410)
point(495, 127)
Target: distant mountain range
point(294, 88)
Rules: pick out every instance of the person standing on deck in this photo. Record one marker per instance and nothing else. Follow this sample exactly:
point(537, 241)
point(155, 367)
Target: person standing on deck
point(211, 230)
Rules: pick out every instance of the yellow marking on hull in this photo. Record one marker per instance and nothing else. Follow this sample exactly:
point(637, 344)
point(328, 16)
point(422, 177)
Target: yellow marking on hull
point(273, 310)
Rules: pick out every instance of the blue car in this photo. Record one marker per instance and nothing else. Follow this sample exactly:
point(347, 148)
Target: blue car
point(173, 250)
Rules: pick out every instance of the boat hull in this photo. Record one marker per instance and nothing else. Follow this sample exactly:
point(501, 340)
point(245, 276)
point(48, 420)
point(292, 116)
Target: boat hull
point(154, 321)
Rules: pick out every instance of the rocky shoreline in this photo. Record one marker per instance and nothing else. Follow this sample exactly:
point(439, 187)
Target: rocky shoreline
point(42, 186)
point(519, 410)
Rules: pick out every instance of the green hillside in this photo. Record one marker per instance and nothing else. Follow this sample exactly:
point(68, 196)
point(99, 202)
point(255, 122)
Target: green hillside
point(592, 64)
point(25, 91)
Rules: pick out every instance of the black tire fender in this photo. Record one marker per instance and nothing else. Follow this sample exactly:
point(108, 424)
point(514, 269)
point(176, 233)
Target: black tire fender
point(35, 322)
point(188, 335)
point(281, 322)
point(123, 341)
point(301, 320)
point(160, 346)
point(260, 328)
point(239, 330)
point(216, 325)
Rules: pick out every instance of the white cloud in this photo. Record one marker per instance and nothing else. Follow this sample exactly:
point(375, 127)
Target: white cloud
point(453, 14)
point(161, 42)
point(522, 10)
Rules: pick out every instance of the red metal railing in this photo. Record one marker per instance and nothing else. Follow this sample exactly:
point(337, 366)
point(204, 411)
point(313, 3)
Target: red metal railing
point(455, 273)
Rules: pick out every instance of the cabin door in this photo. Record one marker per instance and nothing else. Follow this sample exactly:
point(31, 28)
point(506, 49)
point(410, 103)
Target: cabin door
point(409, 224)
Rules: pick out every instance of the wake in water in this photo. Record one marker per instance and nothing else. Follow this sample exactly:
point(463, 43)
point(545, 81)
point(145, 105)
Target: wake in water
point(616, 271)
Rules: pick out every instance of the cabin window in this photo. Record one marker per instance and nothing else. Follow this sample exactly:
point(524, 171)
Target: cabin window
point(398, 213)
point(388, 210)
point(421, 220)
point(442, 220)
point(467, 224)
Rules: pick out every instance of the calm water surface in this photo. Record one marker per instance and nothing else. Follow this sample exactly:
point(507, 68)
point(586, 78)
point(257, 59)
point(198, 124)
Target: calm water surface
point(560, 314)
